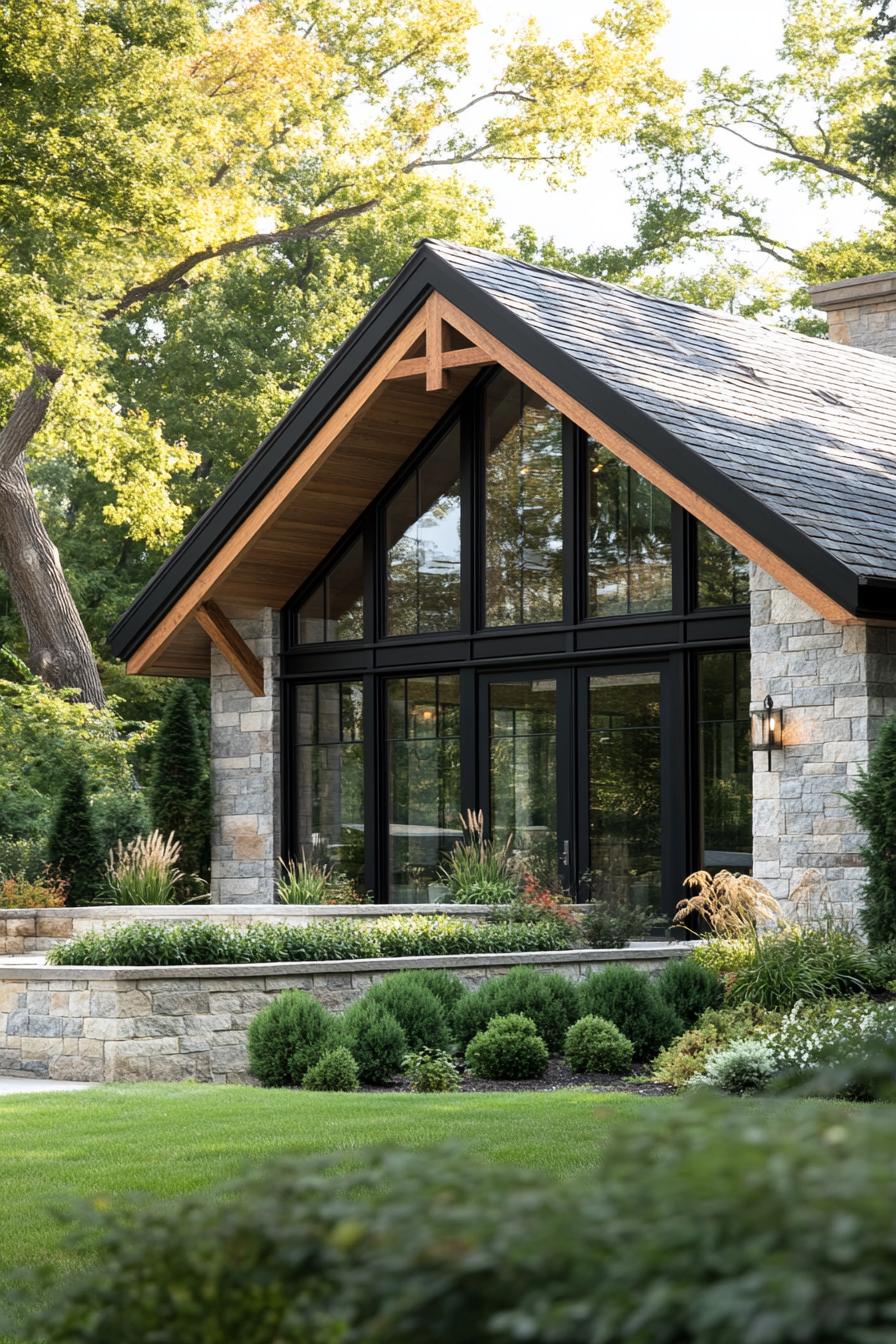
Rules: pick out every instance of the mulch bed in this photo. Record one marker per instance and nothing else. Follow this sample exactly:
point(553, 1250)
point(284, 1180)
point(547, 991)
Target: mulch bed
point(559, 1077)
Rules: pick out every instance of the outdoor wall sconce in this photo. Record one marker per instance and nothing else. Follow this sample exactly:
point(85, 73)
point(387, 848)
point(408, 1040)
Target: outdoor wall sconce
point(765, 728)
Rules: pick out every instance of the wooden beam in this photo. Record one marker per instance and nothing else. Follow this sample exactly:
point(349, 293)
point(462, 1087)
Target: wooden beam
point(231, 645)
point(451, 359)
point(298, 473)
point(634, 457)
point(435, 370)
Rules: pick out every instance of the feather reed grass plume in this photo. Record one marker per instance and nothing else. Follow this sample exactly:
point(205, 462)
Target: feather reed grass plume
point(729, 905)
point(144, 871)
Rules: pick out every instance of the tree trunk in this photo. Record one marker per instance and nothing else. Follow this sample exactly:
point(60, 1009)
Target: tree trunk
point(59, 650)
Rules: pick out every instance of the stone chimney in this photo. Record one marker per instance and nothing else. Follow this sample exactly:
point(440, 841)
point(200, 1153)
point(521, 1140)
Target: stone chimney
point(860, 312)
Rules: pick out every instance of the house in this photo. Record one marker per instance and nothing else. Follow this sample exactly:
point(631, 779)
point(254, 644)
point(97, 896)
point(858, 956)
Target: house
point(542, 545)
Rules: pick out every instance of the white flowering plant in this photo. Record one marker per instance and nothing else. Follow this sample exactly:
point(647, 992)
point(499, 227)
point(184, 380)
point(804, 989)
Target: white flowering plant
point(831, 1030)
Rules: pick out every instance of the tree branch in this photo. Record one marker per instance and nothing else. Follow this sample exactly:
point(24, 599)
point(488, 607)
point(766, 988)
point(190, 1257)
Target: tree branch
point(174, 276)
point(802, 156)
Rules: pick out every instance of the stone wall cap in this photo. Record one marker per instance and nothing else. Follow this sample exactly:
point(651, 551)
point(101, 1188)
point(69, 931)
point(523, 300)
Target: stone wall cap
point(861, 289)
point(224, 909)
point(658, 951)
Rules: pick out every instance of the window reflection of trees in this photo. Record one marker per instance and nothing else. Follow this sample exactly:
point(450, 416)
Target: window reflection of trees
point(629, 539)
point(423, 563)
point(524, 507)
point(624, 788)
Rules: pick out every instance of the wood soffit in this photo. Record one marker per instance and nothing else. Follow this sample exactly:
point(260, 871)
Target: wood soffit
point(346, 463)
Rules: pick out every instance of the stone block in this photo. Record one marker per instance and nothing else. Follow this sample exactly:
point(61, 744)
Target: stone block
point(109, 1028)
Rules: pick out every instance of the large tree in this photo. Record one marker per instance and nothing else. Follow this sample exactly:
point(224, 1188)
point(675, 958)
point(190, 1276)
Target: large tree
point(823, 122)
point(147, 143)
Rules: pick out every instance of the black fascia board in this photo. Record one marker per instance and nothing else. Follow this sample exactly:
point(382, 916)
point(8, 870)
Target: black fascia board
point(784, 540)
point(345, 368)
point(425, 271)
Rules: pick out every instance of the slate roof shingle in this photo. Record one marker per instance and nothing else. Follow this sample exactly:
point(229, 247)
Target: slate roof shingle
point(806, 426)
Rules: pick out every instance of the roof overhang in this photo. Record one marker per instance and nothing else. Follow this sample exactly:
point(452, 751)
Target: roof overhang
point(345, 437)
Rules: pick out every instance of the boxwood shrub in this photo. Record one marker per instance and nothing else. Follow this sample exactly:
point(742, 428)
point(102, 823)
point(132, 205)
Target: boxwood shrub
point(630, 999)
point(287, 1037)
point(690, 989)
point(737, 1222)
point(594, 1045)
point(418, 1012)
point(510, 1047)
point(550, 1001)
point(375, 1039)
point(202, 943)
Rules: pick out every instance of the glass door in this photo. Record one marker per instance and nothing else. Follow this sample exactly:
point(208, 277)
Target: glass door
point(624, 805)
point(525, 724)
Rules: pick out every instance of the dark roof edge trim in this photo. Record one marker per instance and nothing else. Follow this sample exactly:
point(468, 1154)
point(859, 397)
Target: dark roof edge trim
point(345, 368)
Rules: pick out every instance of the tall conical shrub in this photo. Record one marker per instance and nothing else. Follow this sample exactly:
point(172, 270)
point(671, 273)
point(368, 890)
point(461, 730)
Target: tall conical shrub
point(73, 849)
point(873, 804)
point(179, 799)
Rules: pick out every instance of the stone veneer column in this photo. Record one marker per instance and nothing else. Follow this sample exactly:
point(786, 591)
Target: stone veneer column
point(245, 770)
point(836, 684)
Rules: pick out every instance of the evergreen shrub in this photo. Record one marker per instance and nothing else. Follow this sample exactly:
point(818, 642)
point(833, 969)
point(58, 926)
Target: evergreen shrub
point(376, 1040)
point(594, 1045)
point(630, 999)
point(335, 1071)
point(417, 1011)
point(873, 804)
point(287, 1037)
point(690, 989)
point(549, 1000)
point(509, 1048)
point(179, 790)
point(73, 850)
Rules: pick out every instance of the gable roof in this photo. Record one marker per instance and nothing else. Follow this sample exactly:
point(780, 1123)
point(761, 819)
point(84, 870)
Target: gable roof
point(792, 438)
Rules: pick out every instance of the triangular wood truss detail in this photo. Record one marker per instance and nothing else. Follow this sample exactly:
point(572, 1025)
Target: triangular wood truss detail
point(442, 351)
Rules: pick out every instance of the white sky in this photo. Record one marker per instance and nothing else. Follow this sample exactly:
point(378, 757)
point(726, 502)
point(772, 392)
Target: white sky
point(699, 34)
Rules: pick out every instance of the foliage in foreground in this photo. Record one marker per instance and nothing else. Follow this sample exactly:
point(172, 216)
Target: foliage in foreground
point(359, 1248)
point(206, 944)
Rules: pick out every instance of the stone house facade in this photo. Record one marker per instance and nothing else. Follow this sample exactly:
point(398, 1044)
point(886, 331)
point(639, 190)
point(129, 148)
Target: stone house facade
point(342, 599)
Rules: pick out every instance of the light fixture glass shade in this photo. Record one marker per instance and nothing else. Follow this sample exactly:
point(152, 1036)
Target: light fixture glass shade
point(766, 727)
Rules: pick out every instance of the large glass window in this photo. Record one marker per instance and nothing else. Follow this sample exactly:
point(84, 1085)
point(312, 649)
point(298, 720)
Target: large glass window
point(624, 802)
point(523, 766)
point(334, 609)
point(424, 783)
point(423, 545)
point(523, 506)
point(723, 574)
point(629, 539)
point(329, 779)
point(726, 768)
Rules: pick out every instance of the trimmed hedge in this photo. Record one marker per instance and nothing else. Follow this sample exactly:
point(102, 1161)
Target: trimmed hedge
point(205, 944)
point(707, 1220)
point(594, 1045)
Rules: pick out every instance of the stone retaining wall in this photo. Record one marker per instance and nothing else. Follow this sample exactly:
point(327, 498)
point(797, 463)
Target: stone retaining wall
point(170, 1023)
point(26, 931)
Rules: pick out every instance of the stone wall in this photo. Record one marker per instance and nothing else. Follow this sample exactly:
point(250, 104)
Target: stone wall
point(836, 684)
point(23, 932)
point(245, 768)
point(168, 1023)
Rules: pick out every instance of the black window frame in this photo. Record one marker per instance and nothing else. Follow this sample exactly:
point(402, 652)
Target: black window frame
point(475, 651)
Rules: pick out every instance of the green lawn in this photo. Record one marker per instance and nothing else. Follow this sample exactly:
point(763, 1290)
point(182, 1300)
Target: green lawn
point(170, 1139)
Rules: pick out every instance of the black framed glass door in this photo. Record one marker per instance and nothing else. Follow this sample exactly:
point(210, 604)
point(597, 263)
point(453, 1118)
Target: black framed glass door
point(525, 729)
